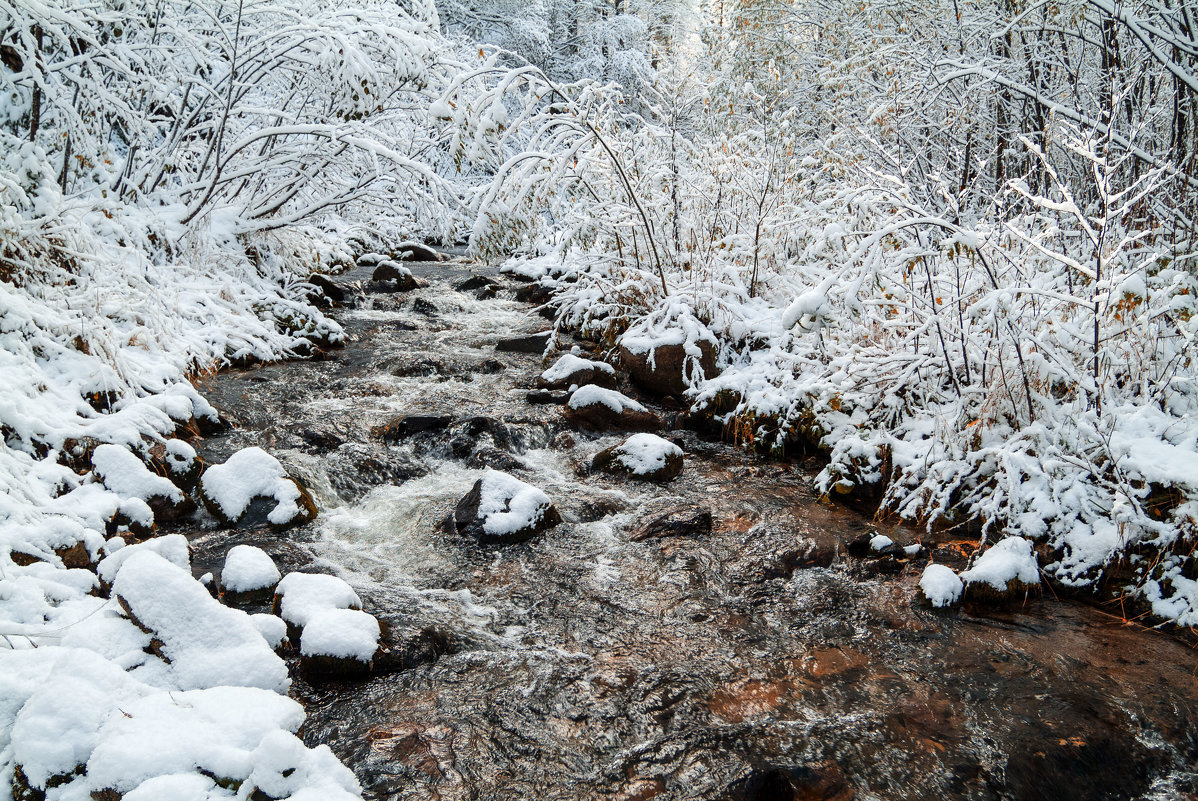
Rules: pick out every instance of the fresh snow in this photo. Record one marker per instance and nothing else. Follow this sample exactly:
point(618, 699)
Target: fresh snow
point(302, 596)
point(128, 477)
point(880, 542)
point(940, 585)
point(344, 633)
point(569, 364)
point(248, 474)
point(591, 395)
point(206, 643)
point(508, 505)
point(1008, 559)
point(642, 454)
point(247, 569)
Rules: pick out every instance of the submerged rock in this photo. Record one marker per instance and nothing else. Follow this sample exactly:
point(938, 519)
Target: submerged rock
point(548, 396)
point(684, 522)
point(501, 509)
point(400, 427)
point(643, 456)
point(604, 409)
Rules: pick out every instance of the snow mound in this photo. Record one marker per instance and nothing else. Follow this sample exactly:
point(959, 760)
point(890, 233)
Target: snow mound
point(880, 542)
point(128, 477)
point(228, 489)
point(342, 633)
point(940, 585)
point(173, 548)
point(644, 454)
point(205, 643)
point(507, 505)
point(591, 395)
point(569, 364)
point(302, 596)
point(1008, 560)
point(248, 569)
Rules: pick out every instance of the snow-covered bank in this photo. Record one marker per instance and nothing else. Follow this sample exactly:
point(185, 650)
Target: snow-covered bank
point(823, 355)
point(107, 647)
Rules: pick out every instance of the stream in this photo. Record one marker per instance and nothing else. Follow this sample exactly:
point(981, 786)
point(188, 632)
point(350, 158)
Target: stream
point(757, 661)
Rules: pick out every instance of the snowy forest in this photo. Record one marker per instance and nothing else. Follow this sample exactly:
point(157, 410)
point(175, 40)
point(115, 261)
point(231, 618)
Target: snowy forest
point(945, 248)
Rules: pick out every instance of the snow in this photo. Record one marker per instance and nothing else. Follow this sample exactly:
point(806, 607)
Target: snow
point(206, 643)
point(507, 505)
point(344, 633)
point(880, 542)
point(569, 364)
point(172, 547)
point(272, 628)
point(940, 585)
point(1007, 560)
point(642, 454)
point(127, 475)
point(247, 569)
point(302, 596)
point(248, 474)
point(591, 395)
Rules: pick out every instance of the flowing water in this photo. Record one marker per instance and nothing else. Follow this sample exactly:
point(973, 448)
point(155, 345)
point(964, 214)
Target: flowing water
point(757, 661)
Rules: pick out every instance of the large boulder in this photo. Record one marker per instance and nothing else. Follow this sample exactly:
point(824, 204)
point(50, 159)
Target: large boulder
point(573, 371)
point(664, 366)
point(501, 509)
point(647, 457)
point(252, 480)
point(605, 409)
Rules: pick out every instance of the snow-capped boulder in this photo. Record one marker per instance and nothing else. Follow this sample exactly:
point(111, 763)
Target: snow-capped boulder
point(302, 596)
point(1004, 572)
point(249, 575)
point(205, 643)
point(414, 251)
point(390, 276)
point(230, 489)
point(339, 643)
point(501, 509)
point(574, 371)
point(940, 585)
point(665, 363)
point(643, 456)
point(128, 477)
point(602, 409)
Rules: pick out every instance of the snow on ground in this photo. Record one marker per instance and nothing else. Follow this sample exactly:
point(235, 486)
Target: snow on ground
point(95, 356)
point(508, 505)
point(642, 454)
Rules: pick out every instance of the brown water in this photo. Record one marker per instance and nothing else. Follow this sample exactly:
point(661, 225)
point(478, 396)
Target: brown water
point(588, 664)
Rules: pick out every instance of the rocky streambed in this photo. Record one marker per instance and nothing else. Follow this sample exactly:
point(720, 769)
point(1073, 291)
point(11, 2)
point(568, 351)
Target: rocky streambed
point(712, 637)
